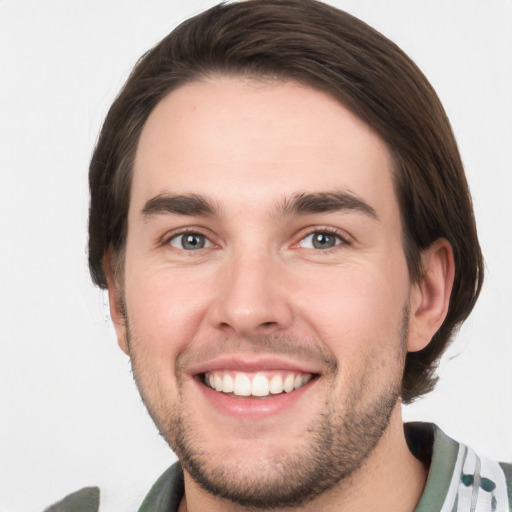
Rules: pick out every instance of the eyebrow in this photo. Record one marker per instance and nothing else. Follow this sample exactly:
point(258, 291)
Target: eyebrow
point(324, 202)
point(297, 204)
point(184, 204)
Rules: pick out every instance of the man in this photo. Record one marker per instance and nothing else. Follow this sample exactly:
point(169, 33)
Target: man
point(280, 215)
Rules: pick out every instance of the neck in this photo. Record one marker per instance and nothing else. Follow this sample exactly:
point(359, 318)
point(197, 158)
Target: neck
point(390, 480)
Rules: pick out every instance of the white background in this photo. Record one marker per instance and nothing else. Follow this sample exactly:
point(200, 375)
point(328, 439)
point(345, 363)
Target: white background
point(69, 413)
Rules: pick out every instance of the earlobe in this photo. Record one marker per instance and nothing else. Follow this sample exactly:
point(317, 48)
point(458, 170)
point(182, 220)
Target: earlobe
point(116, 304)
point(431, 294)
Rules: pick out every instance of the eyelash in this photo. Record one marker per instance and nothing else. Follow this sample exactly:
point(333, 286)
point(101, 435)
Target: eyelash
point(343, 239)
point(183, 232)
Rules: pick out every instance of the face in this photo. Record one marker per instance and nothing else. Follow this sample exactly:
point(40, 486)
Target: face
point(265, 288)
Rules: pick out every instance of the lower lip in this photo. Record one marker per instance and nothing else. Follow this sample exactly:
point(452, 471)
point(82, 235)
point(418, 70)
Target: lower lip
point(253, 408)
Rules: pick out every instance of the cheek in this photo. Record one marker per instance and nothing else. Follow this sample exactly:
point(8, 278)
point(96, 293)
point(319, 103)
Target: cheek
point(163, 310)
point(355, 307)
point(359, 317)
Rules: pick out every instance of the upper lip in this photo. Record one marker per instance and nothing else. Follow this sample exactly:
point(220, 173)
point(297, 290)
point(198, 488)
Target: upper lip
point(250, 363)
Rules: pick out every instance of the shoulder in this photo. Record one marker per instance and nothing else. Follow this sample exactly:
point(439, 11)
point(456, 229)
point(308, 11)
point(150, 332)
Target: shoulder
point(165, 496)
point(167, 493)
point(84, 500)
point(459, 478)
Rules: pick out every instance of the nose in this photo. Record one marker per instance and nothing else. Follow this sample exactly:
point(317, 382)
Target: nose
point(252, 297)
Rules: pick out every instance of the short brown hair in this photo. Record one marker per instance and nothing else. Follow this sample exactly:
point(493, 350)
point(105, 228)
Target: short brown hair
point(330, 50)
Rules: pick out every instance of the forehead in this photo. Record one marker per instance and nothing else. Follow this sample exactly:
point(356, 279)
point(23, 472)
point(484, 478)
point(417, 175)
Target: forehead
point(251, 142)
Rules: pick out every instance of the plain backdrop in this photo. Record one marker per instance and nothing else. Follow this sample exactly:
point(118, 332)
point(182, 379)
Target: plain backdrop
point(70, 415)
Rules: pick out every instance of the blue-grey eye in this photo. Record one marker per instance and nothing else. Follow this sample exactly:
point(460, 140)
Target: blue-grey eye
point(320, 240)
point(189, 241)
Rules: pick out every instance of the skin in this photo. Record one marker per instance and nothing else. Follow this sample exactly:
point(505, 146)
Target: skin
point(259, 292)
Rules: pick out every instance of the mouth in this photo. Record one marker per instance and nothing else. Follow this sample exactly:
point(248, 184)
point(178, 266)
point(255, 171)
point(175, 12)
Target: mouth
point(262, 384)
point(248, 387)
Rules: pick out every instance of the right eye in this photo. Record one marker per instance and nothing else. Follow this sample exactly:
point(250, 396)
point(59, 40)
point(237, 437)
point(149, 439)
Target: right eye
point(189, 241)
point(321, 240)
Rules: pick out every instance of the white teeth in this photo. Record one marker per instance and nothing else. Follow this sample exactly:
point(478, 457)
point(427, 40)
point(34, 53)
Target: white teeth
point(260, 385)
point(242, 384)
point(276, 385)
point(218, 382)
point(228, 386)
point(288, 382)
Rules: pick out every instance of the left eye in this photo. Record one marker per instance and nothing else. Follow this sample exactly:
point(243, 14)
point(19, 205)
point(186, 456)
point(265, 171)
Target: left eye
point(189, 241)
point(320, 240)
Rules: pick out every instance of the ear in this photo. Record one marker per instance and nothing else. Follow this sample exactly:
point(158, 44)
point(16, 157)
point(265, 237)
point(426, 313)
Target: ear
point(430, 296)
point(115, 298)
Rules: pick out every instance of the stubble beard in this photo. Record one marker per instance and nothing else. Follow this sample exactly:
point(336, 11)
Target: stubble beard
point(339, 442)
point(336, 446)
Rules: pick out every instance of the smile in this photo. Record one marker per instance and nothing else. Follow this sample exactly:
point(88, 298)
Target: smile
point(257, 384)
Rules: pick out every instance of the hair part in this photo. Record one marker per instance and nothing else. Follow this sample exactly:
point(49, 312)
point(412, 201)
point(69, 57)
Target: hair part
point(320, 46)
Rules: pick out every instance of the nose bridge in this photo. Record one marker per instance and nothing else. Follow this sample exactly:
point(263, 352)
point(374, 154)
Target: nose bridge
point(252, 297)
